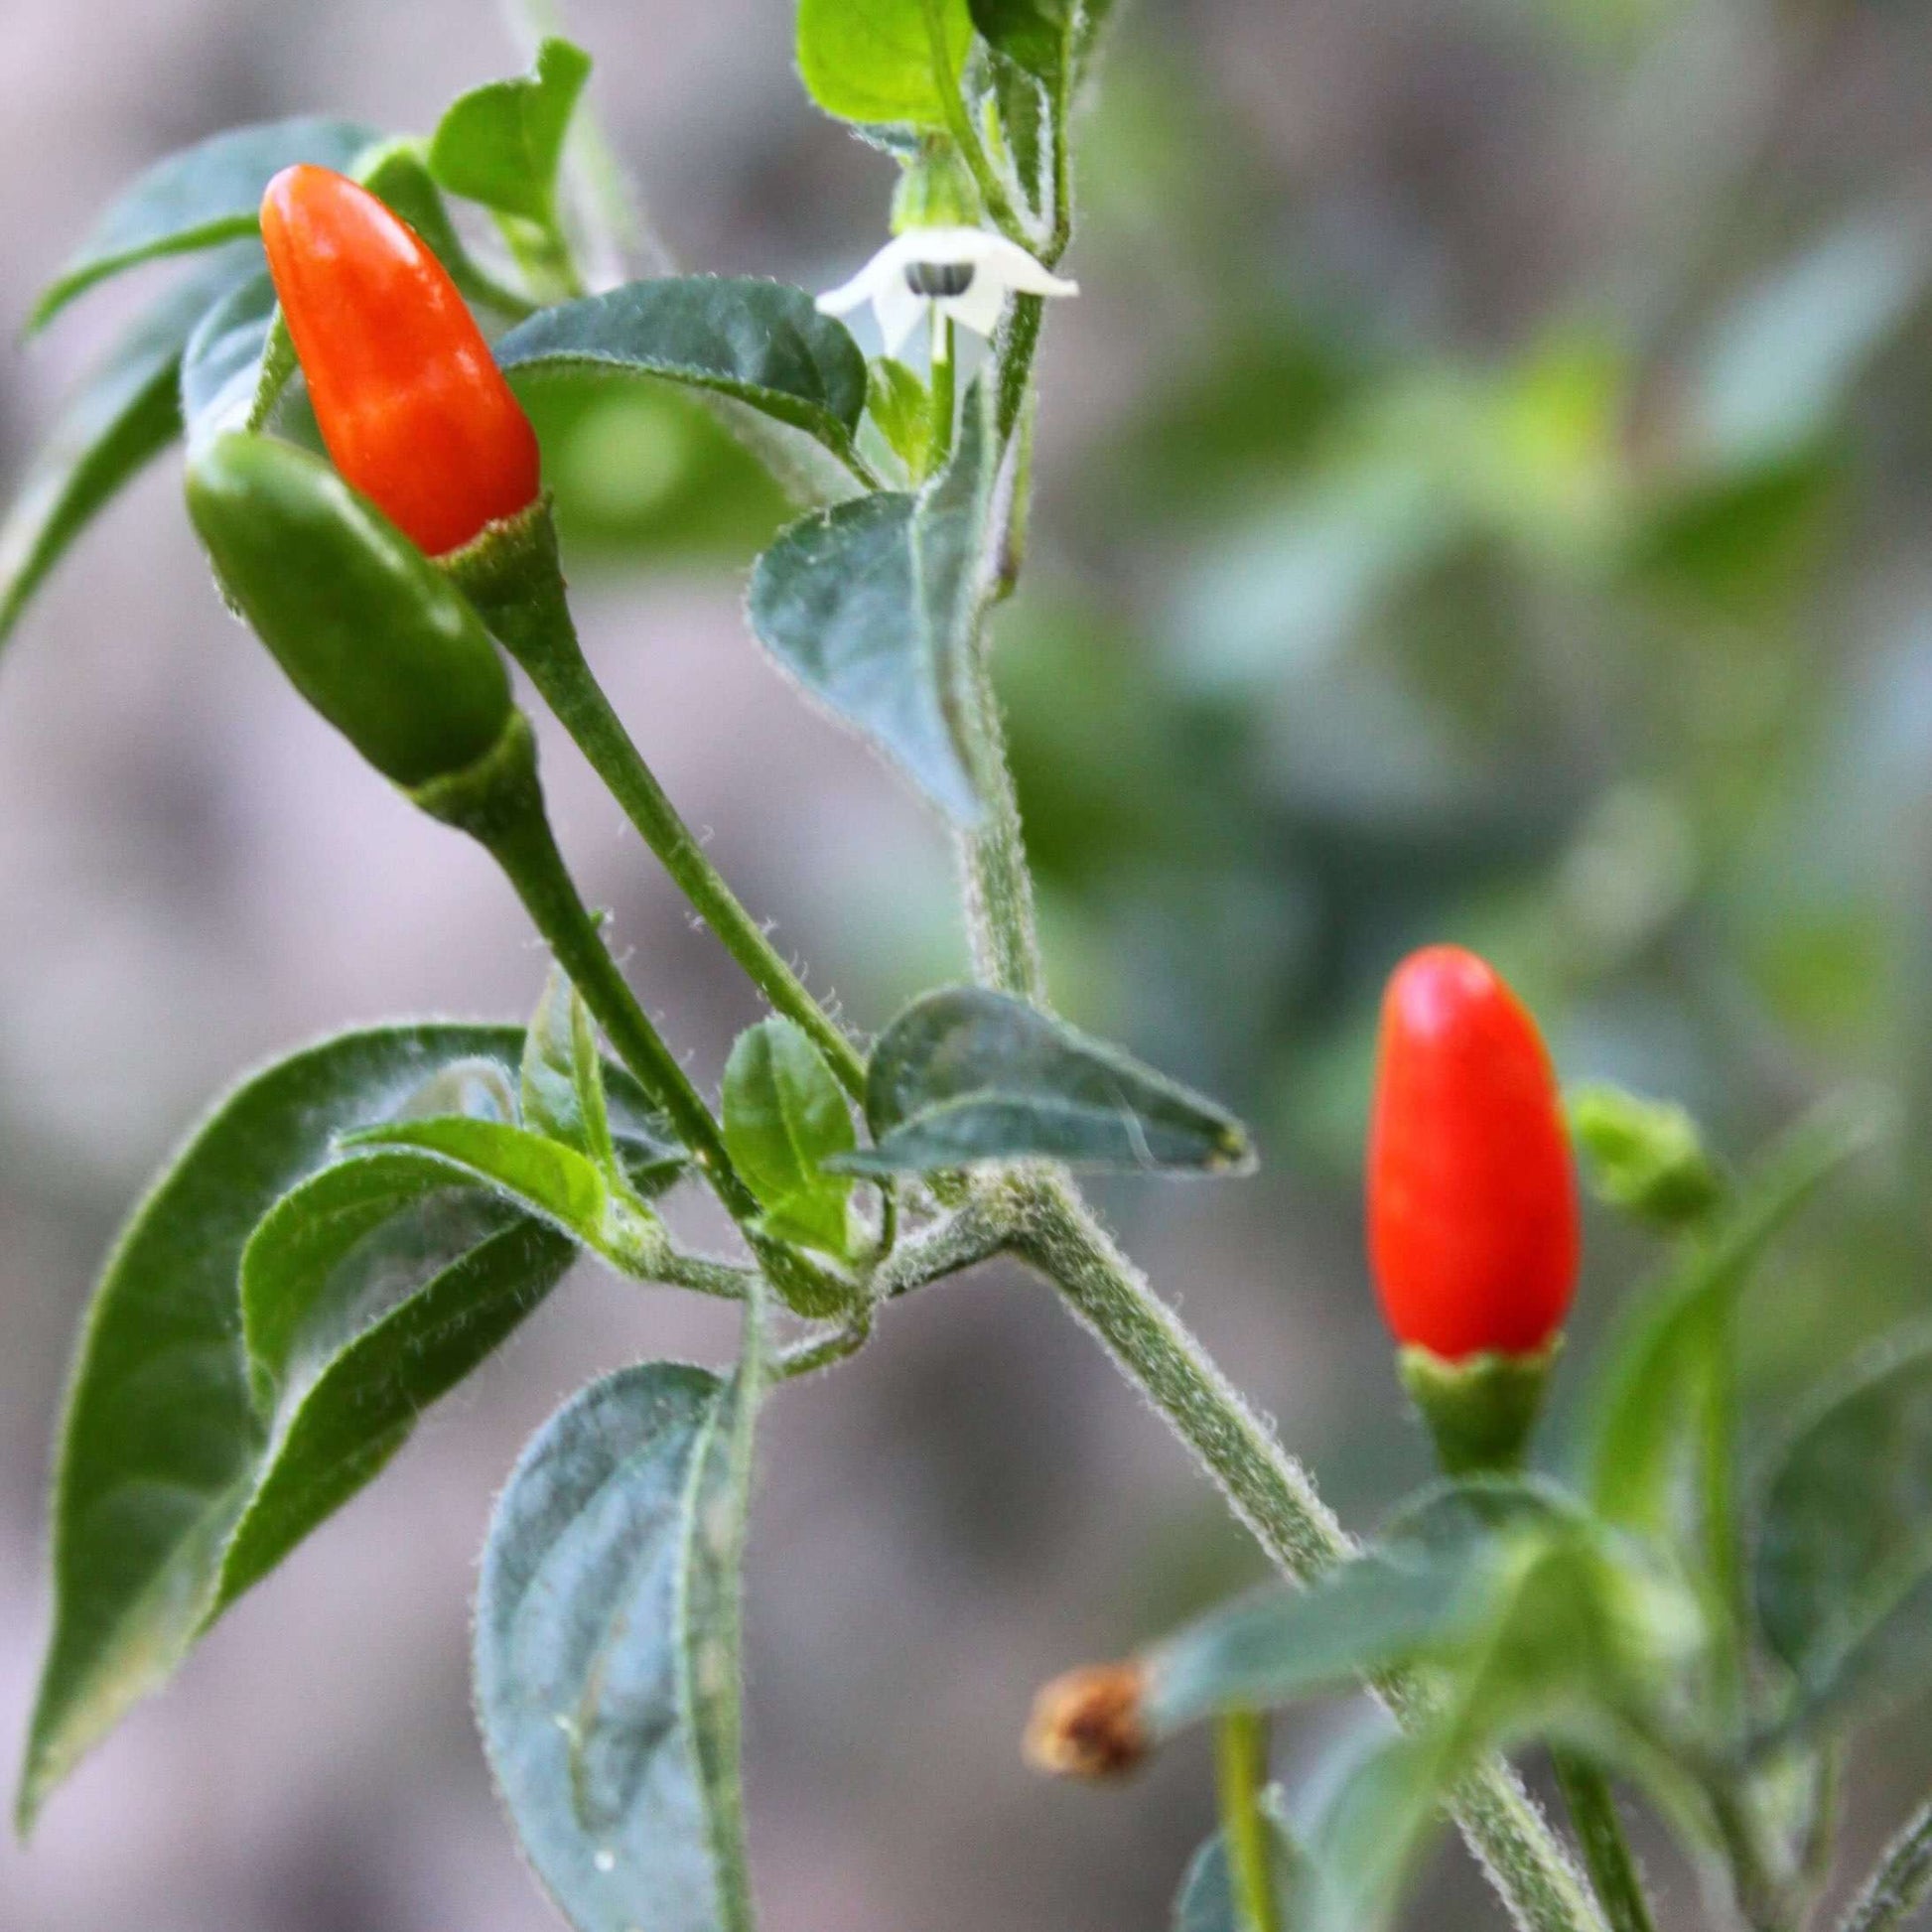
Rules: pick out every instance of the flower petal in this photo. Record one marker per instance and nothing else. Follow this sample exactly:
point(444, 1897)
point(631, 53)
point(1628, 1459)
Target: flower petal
point(954, 246)
point(980, 307)
point(899, 311)
point(848, 296)
point(1019, 270)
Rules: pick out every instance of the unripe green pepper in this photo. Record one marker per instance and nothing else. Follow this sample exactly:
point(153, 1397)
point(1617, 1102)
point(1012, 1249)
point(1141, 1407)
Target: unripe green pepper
point(367, 627)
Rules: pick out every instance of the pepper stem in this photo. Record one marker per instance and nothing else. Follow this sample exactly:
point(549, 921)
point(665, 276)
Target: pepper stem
point(513, 577)
point(1479, 1411)
point(499, 804)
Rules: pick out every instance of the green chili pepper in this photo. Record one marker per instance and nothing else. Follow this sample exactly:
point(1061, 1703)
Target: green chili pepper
point(366, 626)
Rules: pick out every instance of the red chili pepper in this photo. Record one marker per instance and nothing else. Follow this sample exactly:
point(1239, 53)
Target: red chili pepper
point(413, 408)
point(1472, 1221)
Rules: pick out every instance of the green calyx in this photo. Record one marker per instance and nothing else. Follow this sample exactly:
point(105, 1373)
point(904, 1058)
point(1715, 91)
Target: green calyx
point(936, 191)
point(497, 794)
point(512, 575)
point(367, 631)
point(1481, 1410)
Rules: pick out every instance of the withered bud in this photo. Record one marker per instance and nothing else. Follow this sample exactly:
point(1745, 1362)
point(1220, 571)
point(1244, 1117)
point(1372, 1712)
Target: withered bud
point(1088, 1722)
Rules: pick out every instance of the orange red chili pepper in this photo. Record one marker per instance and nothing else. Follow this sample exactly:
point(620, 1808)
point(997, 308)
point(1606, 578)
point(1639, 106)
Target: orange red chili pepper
point(1472, 1216)
point(413, 409)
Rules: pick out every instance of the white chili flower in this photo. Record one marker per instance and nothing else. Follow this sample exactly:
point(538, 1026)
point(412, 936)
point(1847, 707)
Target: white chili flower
point(965, 273)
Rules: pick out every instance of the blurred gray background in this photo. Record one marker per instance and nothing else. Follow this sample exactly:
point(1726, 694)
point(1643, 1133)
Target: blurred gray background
point(1483, 486)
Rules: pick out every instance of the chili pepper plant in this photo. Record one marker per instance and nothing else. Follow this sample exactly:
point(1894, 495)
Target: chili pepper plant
point(357, 324)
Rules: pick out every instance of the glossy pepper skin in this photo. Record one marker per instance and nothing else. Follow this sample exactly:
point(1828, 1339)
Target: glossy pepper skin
point(367, 627)
point(411, 405)
point(1472, 1216)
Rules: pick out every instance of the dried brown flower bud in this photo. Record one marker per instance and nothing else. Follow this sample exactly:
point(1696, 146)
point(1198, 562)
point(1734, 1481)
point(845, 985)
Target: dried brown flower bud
point(1087, 1724)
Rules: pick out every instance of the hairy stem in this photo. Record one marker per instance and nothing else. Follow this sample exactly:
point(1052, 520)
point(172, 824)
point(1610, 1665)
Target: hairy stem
point(1607, 1853)
point(1056, 1232)
point(1901, 1881)
point(703, 1274)
point(997, 880)
point(974, 1232)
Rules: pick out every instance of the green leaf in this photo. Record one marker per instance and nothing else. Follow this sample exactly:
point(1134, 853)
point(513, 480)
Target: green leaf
point(965, 1075)
point(757, 343)
point(901, 407)
point(871, 606)
point(1282, 1646)
point(222, 366)
point(872, 61)
point(1423, 1592)
point(1035, 34)
point(784, 1118)
point(606, 1666)
point(542, 1175)
point(1450, 1518)
point(161, 1442)
point(1644, 1404)
point(124, 414)
point(356, 1329)
point(1883, 1665)
point(197, 196)
point(1843, 1562)
point(1206, 1899)
point(502, 144)
point(304, 1240)
point(563, 1075)
point(397, 173)
point(1568, 1650)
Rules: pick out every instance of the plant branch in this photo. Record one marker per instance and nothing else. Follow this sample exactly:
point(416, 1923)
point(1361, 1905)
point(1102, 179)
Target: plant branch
point(819, 1351)
point(1900, 1883)
point(704, 1274)
point(997, 881)
point(974, 1232)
